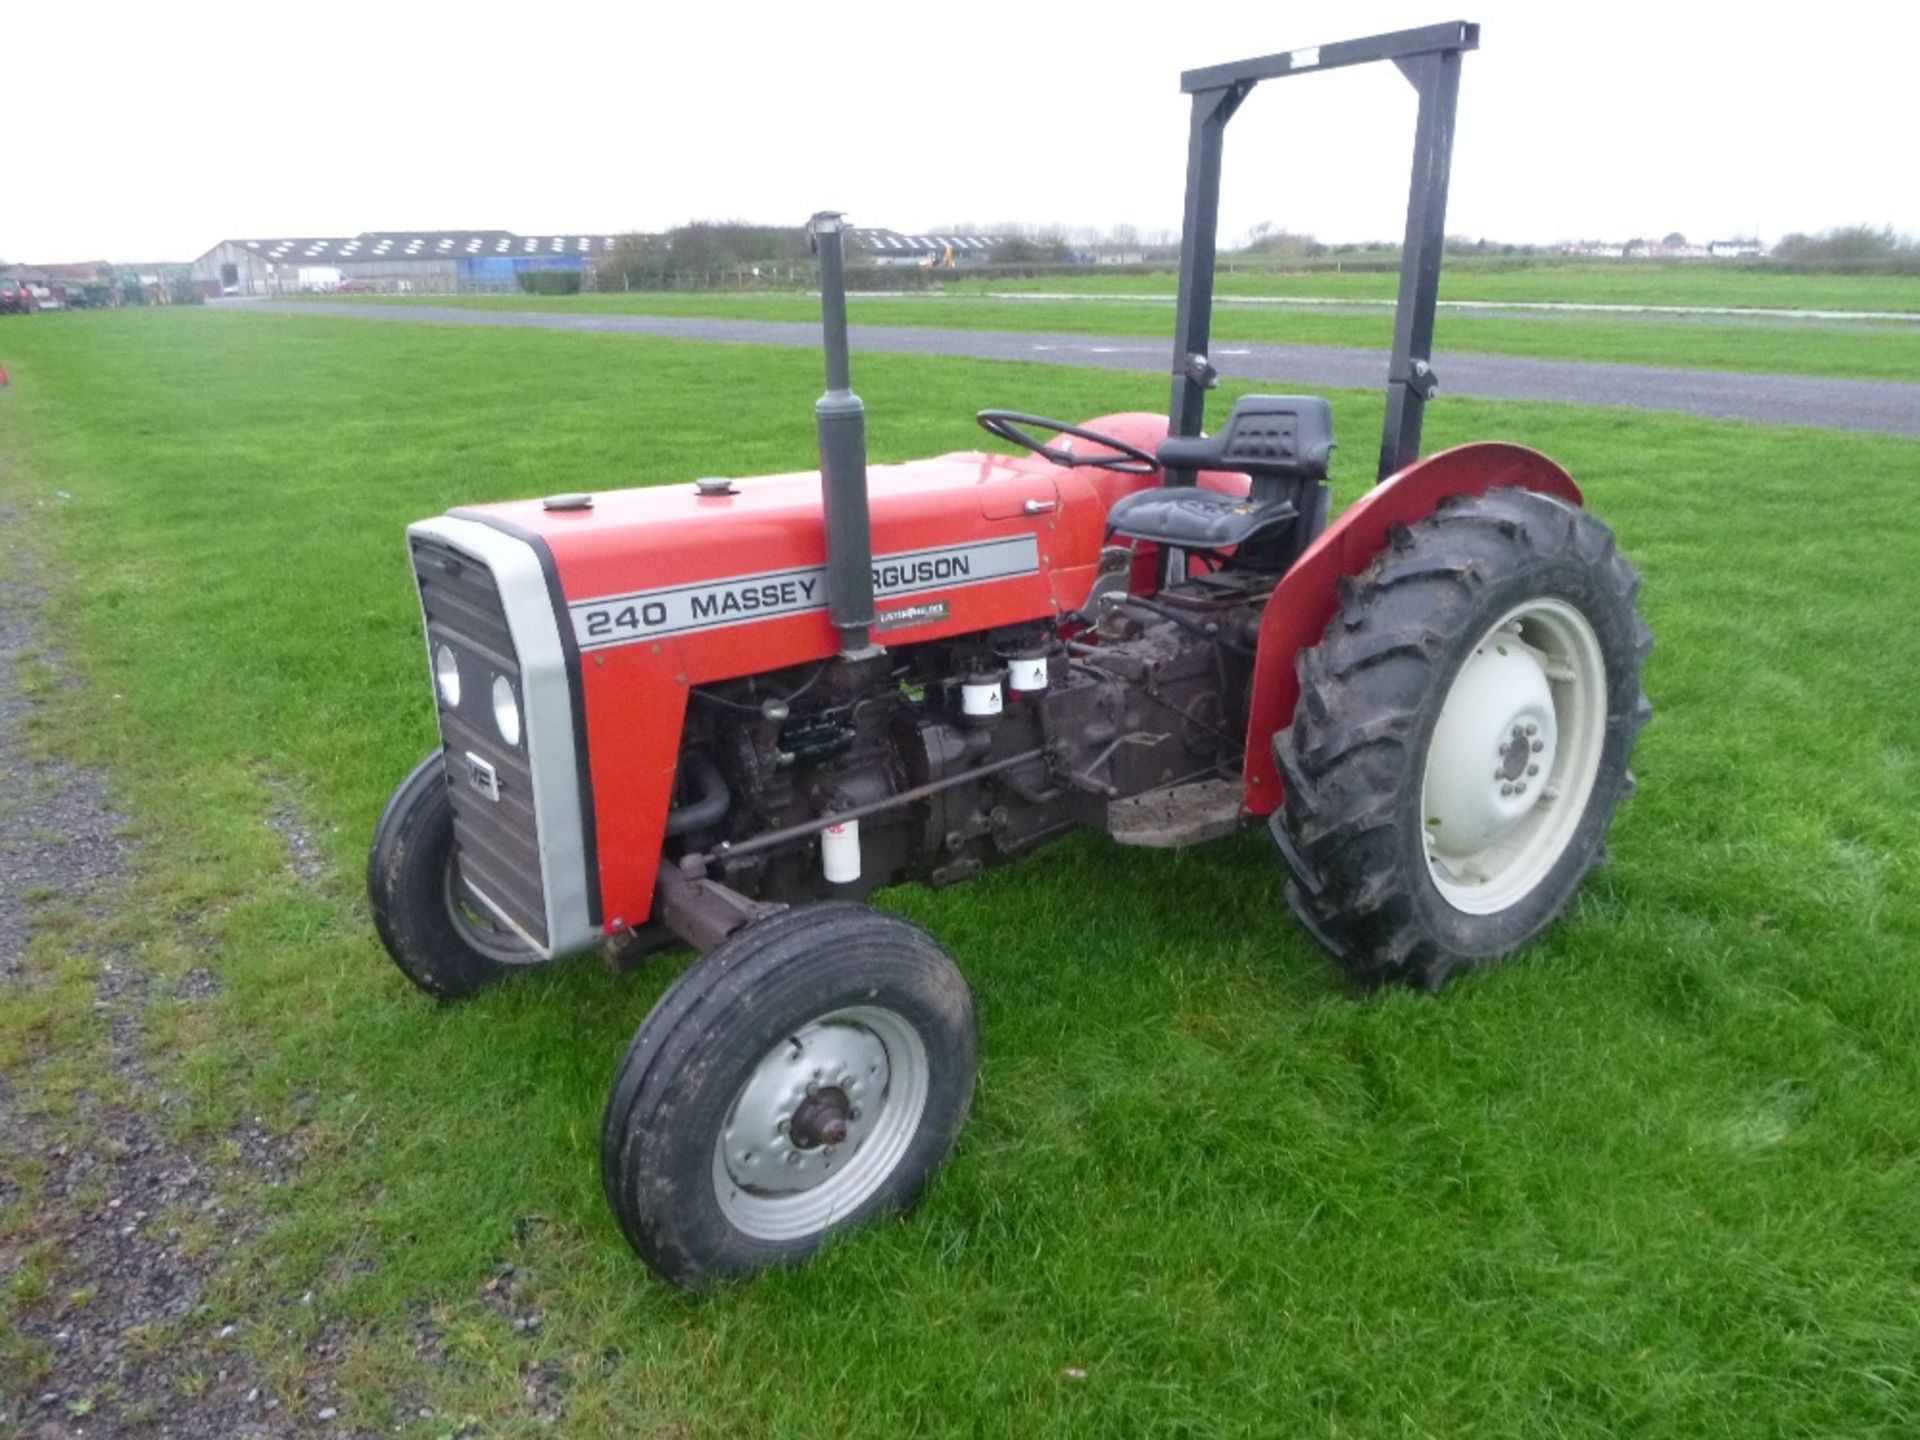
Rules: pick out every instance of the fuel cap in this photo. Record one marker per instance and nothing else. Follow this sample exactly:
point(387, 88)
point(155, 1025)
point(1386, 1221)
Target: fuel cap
point(714, 485)
point(568, 502)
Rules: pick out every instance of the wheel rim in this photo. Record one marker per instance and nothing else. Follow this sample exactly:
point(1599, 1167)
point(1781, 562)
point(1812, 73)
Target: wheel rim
point(1514, 756)
point(820, 1123)
point(479, 929)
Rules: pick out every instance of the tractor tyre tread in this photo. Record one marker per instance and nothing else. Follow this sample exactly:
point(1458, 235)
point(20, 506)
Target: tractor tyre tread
point(406, 880)
point(655, 1156)
point(1370, 692)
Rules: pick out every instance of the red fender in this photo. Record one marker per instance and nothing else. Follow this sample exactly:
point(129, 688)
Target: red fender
point(1308, 595)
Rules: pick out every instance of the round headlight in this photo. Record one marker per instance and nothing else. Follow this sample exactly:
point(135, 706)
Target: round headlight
point(506, 710)
point(446, 676)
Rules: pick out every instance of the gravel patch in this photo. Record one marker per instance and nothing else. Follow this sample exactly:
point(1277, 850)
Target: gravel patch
point(305, 859)
point(117, 1230)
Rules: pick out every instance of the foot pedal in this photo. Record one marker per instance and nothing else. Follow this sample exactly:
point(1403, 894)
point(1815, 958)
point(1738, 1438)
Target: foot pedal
point(1177, 815)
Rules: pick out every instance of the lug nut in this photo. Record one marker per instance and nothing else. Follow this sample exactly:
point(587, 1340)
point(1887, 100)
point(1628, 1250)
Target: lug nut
point(1506, 789)
point(1532, 729)
point(1521, 788)
point(1533, 769)
point(1538, 746)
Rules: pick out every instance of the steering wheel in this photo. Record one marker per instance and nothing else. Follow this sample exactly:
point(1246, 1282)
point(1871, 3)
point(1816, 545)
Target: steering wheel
point(1006, 425)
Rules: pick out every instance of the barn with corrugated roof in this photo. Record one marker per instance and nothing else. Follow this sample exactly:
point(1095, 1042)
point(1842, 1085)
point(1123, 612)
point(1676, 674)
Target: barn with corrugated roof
point(892, 247)
point(423, 261)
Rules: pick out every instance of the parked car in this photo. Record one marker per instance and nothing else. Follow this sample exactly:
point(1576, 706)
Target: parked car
point(45, 298)
point(16, 298)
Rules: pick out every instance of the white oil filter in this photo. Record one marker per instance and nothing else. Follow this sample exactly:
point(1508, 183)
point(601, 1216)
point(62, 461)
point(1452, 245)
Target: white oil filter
point(1027, 675)
point(980, 697)
point(840, 852)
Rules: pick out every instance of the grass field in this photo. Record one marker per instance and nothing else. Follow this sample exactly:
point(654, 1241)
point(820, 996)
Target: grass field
point(1591, 282)
point(1660, 1177)
point(1849, 350)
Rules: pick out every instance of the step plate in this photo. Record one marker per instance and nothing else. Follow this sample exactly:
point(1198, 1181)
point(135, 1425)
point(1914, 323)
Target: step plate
point(1189, 814)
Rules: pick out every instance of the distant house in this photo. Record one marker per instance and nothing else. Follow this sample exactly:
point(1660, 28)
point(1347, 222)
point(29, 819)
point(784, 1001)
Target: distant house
point(1721, 249)
point(439, 261)
point(890, 247)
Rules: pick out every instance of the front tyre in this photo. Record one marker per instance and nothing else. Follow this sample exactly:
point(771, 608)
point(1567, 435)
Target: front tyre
point(436, 933)
point(803, 1077)
point(1462, 737)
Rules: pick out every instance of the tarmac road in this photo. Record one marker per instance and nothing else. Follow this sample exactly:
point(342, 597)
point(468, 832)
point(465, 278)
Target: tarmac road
point(1881, 406)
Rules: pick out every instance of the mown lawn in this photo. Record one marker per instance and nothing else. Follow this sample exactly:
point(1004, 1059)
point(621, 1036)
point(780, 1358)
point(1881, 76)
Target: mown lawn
point(1466, 277)
point(1657, 1177)
point(1846, 350)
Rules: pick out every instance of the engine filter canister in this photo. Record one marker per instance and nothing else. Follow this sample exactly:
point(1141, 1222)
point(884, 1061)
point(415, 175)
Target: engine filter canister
point(1027, 673)
point(980, 698)
point(840, 852)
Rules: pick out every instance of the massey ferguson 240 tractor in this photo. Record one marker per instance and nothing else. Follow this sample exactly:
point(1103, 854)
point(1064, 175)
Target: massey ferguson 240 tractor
point(723, 711)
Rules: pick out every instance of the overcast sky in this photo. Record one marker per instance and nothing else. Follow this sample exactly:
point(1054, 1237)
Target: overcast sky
point(150, 134)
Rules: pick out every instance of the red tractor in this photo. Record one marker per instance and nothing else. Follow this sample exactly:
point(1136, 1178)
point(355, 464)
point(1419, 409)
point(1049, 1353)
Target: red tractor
point(723, 712)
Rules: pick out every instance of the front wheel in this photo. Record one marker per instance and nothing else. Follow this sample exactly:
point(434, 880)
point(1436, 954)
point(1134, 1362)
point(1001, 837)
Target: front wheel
point(1462, 737)
point(438, 935)
point(803, 1077)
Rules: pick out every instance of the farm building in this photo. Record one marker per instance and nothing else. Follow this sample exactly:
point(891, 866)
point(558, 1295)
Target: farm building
point(429, 261)
point(890, 247)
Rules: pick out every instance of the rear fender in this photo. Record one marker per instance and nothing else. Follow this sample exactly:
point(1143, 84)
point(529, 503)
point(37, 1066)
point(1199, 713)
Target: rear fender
point(1308, 595)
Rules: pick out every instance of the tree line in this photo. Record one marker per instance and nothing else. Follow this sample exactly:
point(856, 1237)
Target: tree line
point(735, 247)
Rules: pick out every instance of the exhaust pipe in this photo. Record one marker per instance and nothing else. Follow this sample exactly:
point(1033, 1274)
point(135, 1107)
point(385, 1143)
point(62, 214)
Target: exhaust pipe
point(842, 422)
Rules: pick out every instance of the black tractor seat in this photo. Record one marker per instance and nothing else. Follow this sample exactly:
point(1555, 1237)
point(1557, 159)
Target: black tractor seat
point(1287, 437)
point(1194, 519)
point(1280, 442)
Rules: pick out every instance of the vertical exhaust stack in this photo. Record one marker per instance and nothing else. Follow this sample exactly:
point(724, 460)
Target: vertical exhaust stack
point(842, 422)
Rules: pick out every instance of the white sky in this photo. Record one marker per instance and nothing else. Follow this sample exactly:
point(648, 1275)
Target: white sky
point(164, 132)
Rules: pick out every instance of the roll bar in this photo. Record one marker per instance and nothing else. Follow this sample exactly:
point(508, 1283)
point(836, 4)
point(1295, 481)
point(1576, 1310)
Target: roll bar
point(1429, 57)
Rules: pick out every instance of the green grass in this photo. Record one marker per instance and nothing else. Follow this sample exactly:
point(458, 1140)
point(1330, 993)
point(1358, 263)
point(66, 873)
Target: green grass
point(1585, 282)
point(1863, 351)
point(1657, 1177)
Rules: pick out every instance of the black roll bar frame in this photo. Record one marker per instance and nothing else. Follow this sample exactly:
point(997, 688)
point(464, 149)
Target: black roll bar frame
point(1429, 57)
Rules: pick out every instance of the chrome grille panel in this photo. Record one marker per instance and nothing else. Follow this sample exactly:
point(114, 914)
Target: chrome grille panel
point(498, 839)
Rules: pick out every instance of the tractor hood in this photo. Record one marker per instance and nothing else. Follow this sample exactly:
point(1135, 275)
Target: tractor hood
point(665, 535)
point(961, 542)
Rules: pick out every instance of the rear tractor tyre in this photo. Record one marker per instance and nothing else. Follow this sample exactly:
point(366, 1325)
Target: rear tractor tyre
point(1462, 737)
point(803, 1077)
point(436, 933)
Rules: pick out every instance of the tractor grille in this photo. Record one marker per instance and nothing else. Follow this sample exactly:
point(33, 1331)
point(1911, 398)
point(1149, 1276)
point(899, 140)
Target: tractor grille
point(497, 839)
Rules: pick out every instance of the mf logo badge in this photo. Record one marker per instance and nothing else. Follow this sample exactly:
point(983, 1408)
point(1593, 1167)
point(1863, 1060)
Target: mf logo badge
point(481, 776)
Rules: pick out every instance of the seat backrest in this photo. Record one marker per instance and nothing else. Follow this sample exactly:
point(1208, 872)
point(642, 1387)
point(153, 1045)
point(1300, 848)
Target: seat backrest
point(1284, 436)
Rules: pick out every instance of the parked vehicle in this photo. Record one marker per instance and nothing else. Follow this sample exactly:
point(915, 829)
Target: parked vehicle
point(45, 297)
point(722, 713)
point(16, 298)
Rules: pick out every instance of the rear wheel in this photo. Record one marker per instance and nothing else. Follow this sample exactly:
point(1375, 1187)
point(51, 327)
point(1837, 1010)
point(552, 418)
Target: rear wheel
point(1462, 737)
point(803, 1077)
point(438, 935)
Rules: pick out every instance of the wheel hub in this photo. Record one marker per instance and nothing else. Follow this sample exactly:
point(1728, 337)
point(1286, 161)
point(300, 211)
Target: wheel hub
point(806, 1108)
point(1513, 756)
point(821, 1119)
point(1494, 740)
